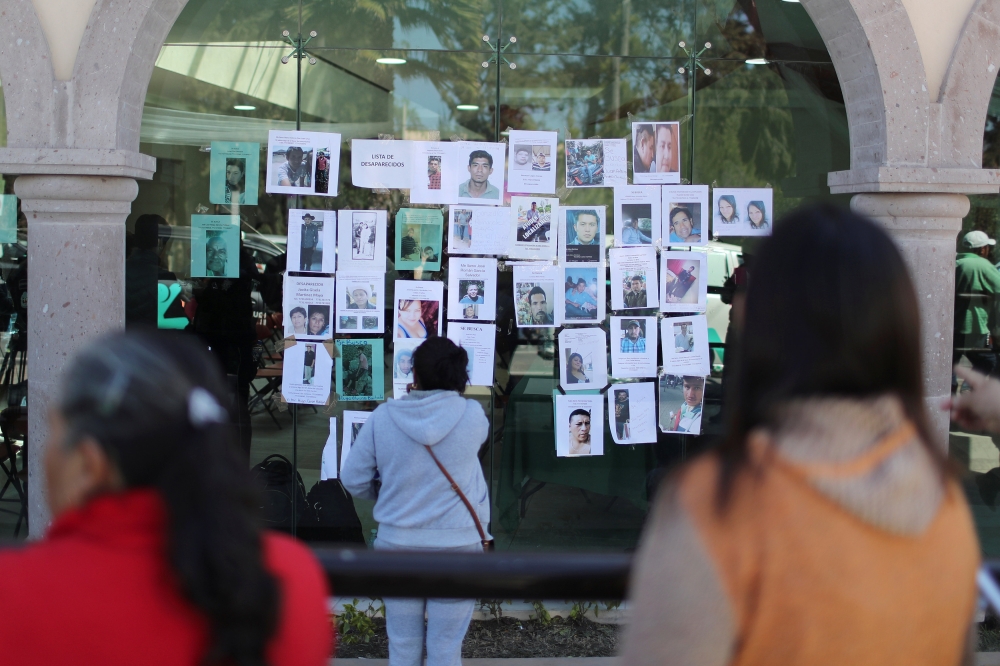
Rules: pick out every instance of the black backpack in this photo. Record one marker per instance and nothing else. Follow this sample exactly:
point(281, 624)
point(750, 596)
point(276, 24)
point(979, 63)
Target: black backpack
point(334, 519)
point(279, 483)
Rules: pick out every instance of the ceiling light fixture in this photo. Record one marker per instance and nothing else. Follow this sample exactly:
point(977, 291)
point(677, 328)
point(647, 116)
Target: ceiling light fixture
point(757, 61)
point(467, 107)
point(244, 107)
point(391, 61)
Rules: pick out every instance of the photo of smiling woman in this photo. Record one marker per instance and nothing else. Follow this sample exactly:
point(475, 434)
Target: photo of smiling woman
point(727, 210)
point(298, 318)
point(416, 319)
point(757, 218)
point(684, 225)
point(574, 370)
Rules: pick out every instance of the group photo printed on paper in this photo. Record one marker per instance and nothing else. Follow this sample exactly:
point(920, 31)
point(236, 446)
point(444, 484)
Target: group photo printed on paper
point(418, 238)
point(584, 294)
point(656, 153)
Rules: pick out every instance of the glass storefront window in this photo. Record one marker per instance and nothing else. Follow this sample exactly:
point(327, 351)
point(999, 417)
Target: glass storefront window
point(413, 70)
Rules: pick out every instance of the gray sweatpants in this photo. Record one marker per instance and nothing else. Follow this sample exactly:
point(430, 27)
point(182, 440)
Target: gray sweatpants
point(447, 622)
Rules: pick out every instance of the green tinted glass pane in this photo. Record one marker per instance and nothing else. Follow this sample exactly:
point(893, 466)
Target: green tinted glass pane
point(771, 29)
point(213, 21)
point(638, 28)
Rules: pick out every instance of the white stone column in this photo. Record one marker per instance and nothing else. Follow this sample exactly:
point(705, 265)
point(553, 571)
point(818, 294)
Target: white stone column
point(76, 290)
point(925, 227)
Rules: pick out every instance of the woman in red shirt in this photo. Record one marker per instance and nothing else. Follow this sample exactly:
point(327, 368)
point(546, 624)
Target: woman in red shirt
point(154, 555)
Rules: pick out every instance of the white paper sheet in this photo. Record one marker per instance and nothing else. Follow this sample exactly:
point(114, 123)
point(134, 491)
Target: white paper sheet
point(656, 153)
point(633, 278)
point(312, 241)
point(306, 383)
point(583, 361)
point(637, 216)
point(752, 211)
point(479, 173)
point(380, 164)
point(479, 341)
point(685, 214)
point(361, 236)
point(581, 234)
point(478, 230)
point(286, 175)
point(632, 413)
point(633, 347)
point(328, 461)
point(308, 307)
point(596, 162)
point(586, 301)
point(417, 311)
point(353, 421)
point(685, 345)
point(538, 295)
point(682, 402)
point(533, 228)
point(360, 302)
point(537, 173)
point(472, 289)
point(579, 434)
point(683, 281)
point(433, 172)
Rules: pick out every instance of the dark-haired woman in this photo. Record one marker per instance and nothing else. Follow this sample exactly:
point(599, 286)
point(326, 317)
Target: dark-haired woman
point(154, 555)
point(416, 507)
point(574, 370)
point(826, 528)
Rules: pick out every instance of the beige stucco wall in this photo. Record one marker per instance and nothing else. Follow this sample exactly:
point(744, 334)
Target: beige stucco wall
point(63, 22)
point(937, 24)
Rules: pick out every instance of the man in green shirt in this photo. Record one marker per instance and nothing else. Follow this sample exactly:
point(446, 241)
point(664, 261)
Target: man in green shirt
point(977, 283)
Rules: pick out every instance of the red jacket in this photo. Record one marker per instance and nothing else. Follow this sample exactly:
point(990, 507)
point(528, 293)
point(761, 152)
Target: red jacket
point(99, 590)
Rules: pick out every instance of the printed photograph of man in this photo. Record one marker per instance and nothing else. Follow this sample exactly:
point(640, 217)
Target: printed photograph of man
point(461, 227)
point(634, 341)
point(472, 292)
point(522, 158)
point(583, 235)
point(348, 323)
point(236, 168)
point(296, 169)
point(683, 337)
point(533, 307)
point(470, 312)
point(434, 172)
point(309, 239)
point(428, 255)
point(579, 432)
point(681, 401)
point(298, 317)
point(409, 248)
point(580, 303)
point(685, 224)
point(540, 158)
point(402, 369)
point(216, 254)
point(309, 364)
point(479, 186)
point(637, 220)
point(322, 171)
point(680, 278)
point(532, 227)
point(360, 297)
point(643, 149)
point(666, 143)
point(635, 297)
point(584, 164)
point(622, 415)
point(319, 320)
point(355, 429)
point(363, 231)
point(358, 377)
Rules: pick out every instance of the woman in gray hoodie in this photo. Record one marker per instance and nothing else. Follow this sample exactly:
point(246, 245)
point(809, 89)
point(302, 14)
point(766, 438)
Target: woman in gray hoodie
point(416, 508)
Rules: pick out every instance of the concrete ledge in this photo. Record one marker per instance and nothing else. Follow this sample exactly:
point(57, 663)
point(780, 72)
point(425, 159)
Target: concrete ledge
point(982, 659)
point(915, 179)
point(76, 162)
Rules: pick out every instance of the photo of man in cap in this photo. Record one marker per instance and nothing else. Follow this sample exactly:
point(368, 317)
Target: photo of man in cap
point(634, 341)
point(309, 241)
point(977, 283)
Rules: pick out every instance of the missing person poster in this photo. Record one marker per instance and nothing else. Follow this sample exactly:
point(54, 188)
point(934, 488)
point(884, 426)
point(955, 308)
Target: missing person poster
point(479, 341)
point(328, 461)
point(305, 375)
point(533, 228)
point(683, 281)
point(742, 211)
point(478, 230)
point(8, 218)
point(353, 422)
point(632, 413)
point(480, 173)
point(596, 162)
point(685, 214)
point(308, 307)
point(633, 347)
point(579, 425)
point(581, 234)
point(532, 167)
point(584, 298)
point(433, 172)
point(360, 302)
point(361, 236)
point(312, 241)
point(402, 365)
point(418, 309)
point(381, 164)
point(656, 153)
point(234, 172)
point(537, 294)
point(583, 358)
point(682, 399)
point(418, 239)
point(685, 345)
point(637, 215)
point(303, 163)
point(633, 278)
point(360, 373)
point(472, 289)
point(215, 246)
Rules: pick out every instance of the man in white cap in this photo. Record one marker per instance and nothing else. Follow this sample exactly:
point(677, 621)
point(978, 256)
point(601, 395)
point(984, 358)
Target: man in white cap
point(977, 283)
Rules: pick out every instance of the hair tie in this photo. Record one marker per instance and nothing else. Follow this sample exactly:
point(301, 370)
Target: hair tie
point(204, 409)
